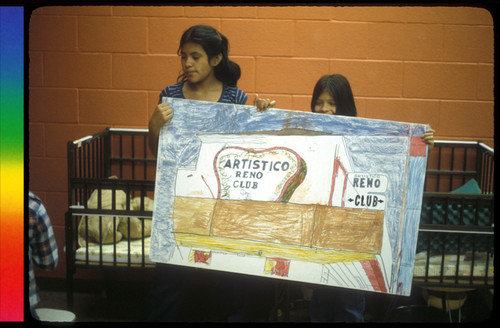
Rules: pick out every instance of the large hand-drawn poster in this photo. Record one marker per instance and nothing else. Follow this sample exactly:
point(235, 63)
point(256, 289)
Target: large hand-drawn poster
point(290, 195)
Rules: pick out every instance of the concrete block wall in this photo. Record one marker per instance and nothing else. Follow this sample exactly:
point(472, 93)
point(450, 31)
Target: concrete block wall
point(93, 67)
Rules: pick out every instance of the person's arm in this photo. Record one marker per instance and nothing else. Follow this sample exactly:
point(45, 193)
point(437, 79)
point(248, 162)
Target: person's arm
point(44, 246)
point(161, 115)
point(428, 138)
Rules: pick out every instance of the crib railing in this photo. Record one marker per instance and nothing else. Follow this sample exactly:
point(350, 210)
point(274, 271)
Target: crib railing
point(457, 229)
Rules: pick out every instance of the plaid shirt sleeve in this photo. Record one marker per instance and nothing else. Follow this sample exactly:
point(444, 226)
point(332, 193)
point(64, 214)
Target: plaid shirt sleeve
point(43, 244)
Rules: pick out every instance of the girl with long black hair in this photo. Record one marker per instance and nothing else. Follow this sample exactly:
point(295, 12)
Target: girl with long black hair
point(207, 75)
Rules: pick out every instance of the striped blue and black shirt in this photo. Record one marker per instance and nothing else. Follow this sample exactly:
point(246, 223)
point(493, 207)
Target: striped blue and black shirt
point(230, 95)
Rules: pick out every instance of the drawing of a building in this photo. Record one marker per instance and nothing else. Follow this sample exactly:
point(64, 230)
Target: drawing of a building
point(257, 197)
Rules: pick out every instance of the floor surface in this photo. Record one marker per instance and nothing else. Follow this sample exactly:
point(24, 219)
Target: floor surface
point(108, 301)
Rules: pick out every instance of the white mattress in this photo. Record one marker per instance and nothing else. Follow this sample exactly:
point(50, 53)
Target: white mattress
point(122, 250)
point(450, 266)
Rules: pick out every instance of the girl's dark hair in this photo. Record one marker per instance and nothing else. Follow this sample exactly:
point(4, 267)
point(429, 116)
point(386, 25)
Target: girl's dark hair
point(213, 43)
point(340, 89)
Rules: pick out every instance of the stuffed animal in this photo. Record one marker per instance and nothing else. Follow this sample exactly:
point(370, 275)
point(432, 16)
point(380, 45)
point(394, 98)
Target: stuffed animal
point(90, 224)
point(136, 223)
point(113, 228)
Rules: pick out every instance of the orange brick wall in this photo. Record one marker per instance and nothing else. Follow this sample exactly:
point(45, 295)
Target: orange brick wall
point(94, 67)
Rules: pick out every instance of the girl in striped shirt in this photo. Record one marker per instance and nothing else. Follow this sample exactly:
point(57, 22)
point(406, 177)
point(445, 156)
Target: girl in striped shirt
point(207, 75)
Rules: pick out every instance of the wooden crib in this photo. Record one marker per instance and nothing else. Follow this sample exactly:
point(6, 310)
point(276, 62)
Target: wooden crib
point(111, 177)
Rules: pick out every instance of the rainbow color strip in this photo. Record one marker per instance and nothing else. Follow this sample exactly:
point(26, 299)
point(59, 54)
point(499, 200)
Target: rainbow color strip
point(11, 164)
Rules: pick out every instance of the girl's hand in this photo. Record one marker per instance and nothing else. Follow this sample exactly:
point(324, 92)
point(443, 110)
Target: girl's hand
point(263, 104)
point(428, 138)
point(161, 115)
